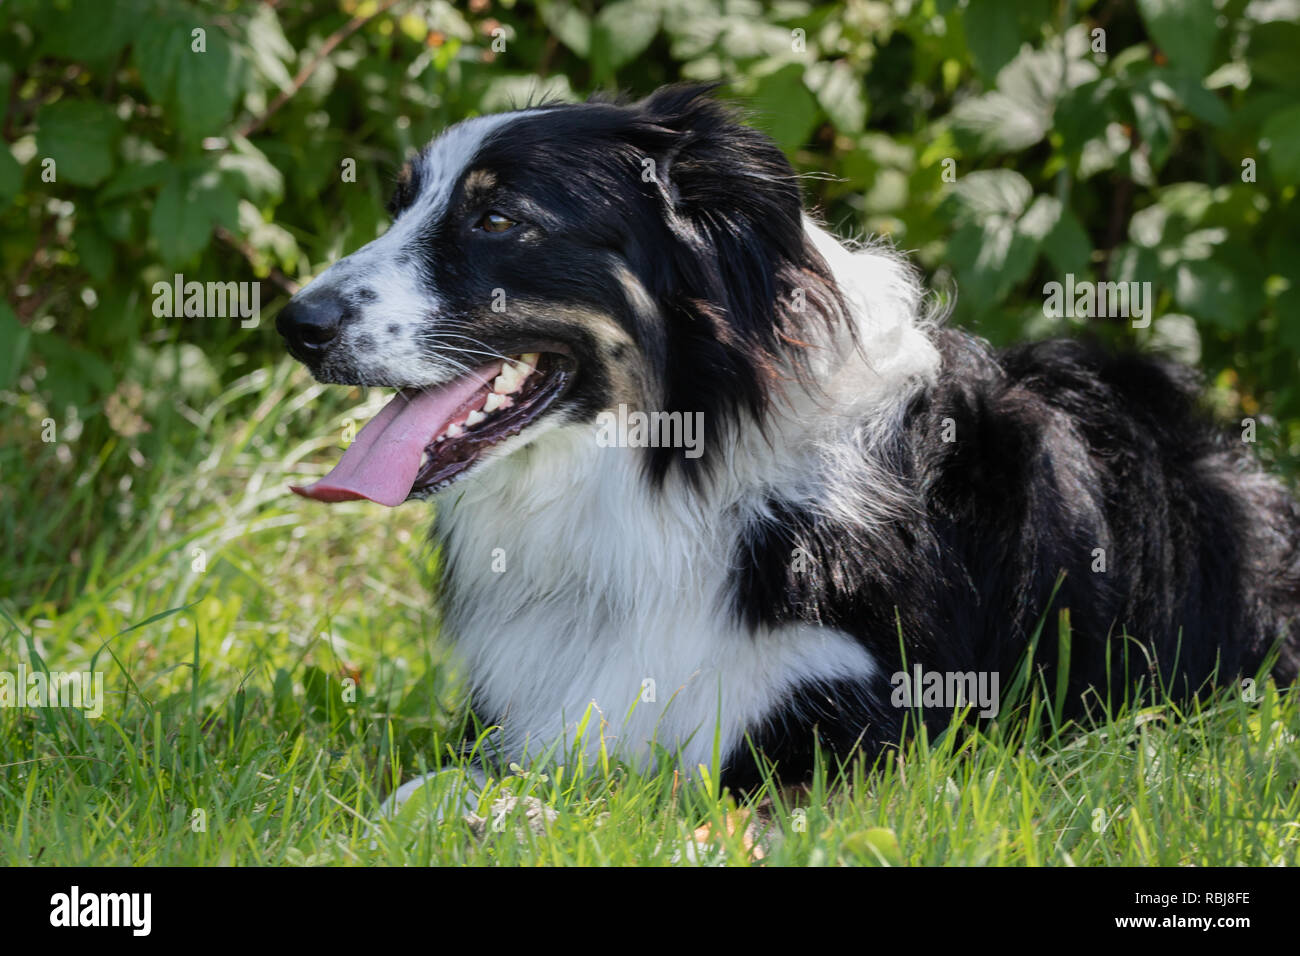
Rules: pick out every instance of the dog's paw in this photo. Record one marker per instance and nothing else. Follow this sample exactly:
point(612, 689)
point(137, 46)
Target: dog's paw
point(442, 793)
point(430, 799)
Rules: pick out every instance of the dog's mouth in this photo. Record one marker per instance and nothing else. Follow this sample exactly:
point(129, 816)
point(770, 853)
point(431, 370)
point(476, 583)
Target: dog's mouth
point(425, 439)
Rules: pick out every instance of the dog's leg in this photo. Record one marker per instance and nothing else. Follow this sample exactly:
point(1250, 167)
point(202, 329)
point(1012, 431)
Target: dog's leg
point(460, 797)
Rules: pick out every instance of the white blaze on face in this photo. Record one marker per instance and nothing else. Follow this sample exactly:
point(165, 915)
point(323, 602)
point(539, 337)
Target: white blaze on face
point(381, 338)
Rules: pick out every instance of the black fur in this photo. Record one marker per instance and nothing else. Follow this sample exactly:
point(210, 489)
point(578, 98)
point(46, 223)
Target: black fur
point(1059, 449)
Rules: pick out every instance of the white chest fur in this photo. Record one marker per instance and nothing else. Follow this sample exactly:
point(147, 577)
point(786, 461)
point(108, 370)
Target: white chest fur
point(570, 590)
point(572, 582)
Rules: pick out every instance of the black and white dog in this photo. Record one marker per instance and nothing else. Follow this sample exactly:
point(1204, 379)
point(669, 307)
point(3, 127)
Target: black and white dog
point(873, 493)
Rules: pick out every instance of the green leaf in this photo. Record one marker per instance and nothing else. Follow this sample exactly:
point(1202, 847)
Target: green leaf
point(205, 87)
point(783, 106)
point(1019, 112)
point(134, 178)
point(996, 123)
point(839, 91)
point(1005, 259)
point(1241, 257)
point(1133, 263)
point(1175, 335)
point(1282, 133)
point(992, 35)
point(1272, 53)
point(1184, 29)
point(1146, 227)
point(1083, 112)
point(1210, 292)
point(1154, 125)
point(14, 339)
point(251, 173)
point(1189, 201)
point(117, 220)
point(1067, 246)
point(197, 86)
point(620, 33)
point(1001, 230)
point(570, 25)
point(273, 244)
point(74, 374)
point(93, 249)
point(80, 137)
point(87, 30)
point(11, 176)
point(156, 52)
point(990, 193)
point(750, 38)
point(1189, 93)
point(186, 211)
point(1040, 218)
point(269, 49)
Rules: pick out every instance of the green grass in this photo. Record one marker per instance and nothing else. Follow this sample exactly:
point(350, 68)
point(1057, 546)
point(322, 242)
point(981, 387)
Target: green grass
point(223, 693)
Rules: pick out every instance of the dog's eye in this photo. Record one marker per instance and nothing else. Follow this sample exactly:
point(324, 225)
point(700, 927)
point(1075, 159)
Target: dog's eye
point(495, 222)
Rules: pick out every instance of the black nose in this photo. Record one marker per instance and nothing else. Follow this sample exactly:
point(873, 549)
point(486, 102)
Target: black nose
point(309, 324)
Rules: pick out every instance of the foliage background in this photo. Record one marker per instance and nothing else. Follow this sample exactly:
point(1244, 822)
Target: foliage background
point(1172, 157)
point(153, 540)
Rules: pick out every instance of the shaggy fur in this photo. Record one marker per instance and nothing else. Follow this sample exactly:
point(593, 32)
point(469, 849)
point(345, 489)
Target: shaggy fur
point(876, 491)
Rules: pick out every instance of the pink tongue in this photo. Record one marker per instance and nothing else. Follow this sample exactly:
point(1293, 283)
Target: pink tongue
point(383, 460)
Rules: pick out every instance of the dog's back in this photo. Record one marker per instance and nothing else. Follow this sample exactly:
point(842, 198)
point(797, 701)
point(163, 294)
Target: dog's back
point(1047, 477)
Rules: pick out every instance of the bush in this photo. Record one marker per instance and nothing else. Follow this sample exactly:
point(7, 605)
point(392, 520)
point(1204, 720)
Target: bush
point(1006, 145)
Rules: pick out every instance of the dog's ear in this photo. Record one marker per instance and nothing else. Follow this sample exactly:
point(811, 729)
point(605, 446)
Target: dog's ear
point(745, 279)
point(709, 160)
point(732, 204)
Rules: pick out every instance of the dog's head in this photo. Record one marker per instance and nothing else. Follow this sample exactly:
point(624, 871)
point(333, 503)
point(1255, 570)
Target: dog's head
point(548, 264)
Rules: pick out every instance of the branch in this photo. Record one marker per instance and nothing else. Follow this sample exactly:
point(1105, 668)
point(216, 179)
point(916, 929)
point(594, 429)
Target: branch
point(26, 306)
point(286, 284)
point(11, 110)
point(333, 40)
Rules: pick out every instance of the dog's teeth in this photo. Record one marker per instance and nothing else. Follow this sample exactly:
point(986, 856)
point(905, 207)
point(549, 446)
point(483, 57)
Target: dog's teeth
point(474, 419)
point(453, 431)
point(530, 359)
point(511, 377)
point(495, 401)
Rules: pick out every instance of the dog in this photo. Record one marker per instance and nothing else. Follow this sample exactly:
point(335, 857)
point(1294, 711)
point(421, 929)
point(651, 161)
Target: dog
point(870, 498)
